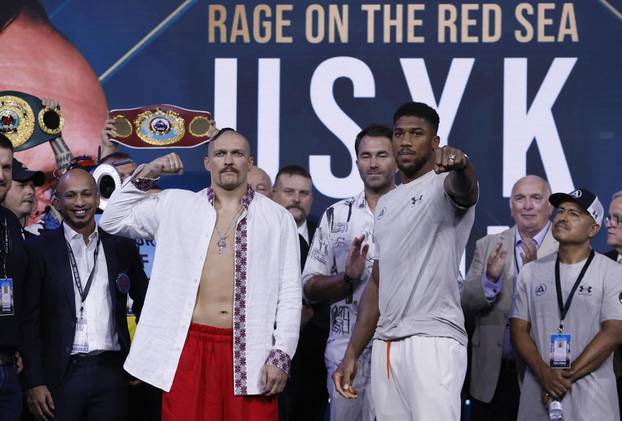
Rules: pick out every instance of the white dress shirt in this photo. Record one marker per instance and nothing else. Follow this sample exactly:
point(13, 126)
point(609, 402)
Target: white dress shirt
point(101, 333)
point(267, 287)
point(303, 230)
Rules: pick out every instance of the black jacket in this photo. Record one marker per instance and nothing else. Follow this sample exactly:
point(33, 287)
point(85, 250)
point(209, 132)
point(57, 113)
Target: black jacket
point(15, 267)
point(49, 321)
point(304, 247)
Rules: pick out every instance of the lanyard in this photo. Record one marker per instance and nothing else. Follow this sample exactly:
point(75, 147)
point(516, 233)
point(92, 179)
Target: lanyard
point(563, 308)
point(5, 245)
point(76, 275)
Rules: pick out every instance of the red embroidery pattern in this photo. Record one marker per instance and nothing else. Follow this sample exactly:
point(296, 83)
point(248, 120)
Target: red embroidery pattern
point(239, 310)
point(240, 377)
point(279, 359)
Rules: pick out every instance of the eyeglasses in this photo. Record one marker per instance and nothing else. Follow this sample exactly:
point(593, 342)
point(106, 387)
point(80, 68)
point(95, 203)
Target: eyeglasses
point(614, 221)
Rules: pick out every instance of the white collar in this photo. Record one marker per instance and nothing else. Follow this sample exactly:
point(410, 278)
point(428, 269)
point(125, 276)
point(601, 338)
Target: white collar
point(71, 234)
point(304, 231)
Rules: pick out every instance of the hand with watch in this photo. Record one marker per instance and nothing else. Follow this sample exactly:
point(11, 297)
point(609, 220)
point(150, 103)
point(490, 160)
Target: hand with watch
point(169, 164)
point(355, 265)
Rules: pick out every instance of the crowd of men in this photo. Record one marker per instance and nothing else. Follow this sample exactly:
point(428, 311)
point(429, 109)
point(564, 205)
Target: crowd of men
point(253, 312)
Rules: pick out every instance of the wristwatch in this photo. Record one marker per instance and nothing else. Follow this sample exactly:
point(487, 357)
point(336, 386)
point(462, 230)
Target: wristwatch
point(144, 184)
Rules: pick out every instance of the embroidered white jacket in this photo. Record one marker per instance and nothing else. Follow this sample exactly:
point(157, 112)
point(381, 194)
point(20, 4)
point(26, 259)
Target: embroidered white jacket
point(267, 285)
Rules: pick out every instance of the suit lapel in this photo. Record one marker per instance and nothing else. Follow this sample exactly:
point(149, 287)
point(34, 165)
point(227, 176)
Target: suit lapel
point(508, 238)
point(60, 257)
point(111, 264)
point(507, 276)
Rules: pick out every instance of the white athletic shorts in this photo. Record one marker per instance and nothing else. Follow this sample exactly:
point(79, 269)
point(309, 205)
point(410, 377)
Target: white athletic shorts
point(418, 378)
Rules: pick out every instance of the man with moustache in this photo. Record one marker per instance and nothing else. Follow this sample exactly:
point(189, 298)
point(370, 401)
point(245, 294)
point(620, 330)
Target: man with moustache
point(293, 189)
point(259, 180)
point(305, 396)
point(21, 198)
point(567, 319)
point(13, 265)
point(412, 302)
point(613, 224)
point(487, 297)
point(330, 275)
point(220, 324)
point(74, 327)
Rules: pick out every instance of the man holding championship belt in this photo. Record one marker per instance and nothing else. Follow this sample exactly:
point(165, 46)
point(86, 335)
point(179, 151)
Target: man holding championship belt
point(221, 321)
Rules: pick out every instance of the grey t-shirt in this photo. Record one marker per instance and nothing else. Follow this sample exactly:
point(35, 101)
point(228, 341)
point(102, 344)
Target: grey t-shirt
point(598, 298)
point(420, 234)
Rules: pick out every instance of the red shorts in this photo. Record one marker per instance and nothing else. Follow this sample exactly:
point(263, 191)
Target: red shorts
point(202, 389)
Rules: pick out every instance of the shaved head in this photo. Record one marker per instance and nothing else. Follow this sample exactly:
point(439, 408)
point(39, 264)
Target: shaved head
point(72, 176)
point(225, 135)
point(228, 159)
point(533, 179)
point(259, 180)
point(77, 200)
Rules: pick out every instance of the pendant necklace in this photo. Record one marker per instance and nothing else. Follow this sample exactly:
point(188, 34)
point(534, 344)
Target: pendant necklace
point(222, 239)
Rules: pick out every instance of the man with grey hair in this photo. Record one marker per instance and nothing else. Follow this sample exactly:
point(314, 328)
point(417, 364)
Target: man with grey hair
point(487, 298)
point(613, 224)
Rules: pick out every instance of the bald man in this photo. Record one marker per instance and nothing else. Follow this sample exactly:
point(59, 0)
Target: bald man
point(260, 181)
point(218, 341)
point(487, 298)
point(74, 327)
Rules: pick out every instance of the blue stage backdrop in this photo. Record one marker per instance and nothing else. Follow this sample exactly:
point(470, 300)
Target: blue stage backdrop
point(523, 87)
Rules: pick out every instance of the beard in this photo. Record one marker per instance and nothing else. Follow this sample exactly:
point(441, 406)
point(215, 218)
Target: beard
point(411, 168)
point(229, 180)
point(300, 216)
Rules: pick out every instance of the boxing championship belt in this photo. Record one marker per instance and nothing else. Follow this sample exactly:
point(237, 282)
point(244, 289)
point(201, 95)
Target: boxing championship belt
point(26, 122)
point(161, 126)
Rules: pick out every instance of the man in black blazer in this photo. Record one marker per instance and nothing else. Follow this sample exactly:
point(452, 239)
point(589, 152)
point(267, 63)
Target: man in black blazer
point(74, 327)
point(304, 245)
point(305, 397)
point(12, 266)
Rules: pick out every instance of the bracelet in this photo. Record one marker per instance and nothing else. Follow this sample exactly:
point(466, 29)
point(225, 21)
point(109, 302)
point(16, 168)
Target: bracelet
point(350, 284)
point(144, 184)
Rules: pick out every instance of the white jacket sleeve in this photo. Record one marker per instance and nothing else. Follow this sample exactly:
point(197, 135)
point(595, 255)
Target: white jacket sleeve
point(132, 213)
point(287, 327)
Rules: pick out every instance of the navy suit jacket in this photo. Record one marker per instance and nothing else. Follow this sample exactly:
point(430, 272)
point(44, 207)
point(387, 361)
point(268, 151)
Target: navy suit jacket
point(49, 321)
